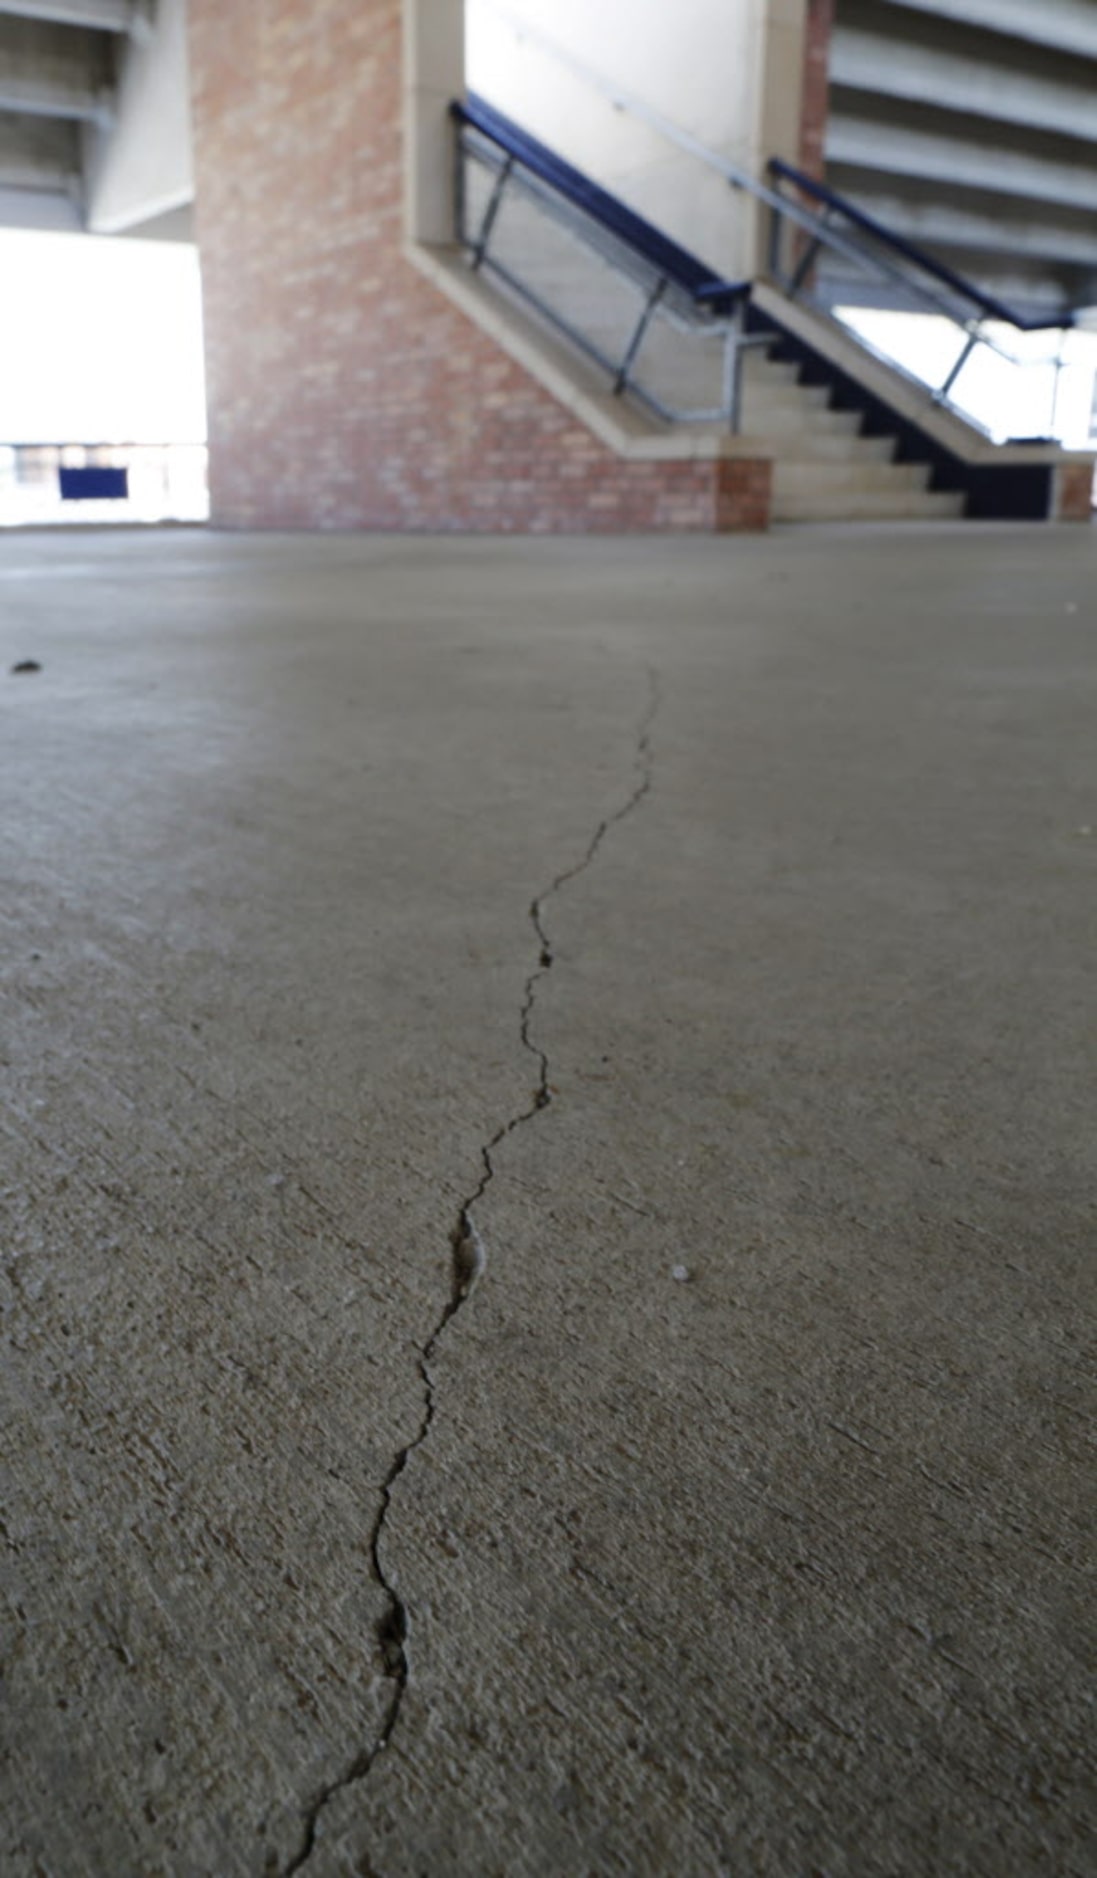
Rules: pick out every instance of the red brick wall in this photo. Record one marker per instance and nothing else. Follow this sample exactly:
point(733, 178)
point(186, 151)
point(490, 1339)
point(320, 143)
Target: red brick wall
point(1075, 492)
point(345, 391)
point(820, 24)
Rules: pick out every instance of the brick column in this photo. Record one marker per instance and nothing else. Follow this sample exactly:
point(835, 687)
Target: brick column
point(1073, 500)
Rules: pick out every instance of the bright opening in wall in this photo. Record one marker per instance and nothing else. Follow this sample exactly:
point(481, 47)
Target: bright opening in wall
point(101, 343)
point(1022, 385)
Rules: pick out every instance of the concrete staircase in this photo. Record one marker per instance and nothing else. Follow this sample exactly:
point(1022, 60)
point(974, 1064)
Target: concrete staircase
point(824, 469)
point(636, 335)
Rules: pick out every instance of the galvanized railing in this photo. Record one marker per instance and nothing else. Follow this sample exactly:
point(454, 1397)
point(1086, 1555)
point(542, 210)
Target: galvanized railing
point(651, 316)
point(901, 277)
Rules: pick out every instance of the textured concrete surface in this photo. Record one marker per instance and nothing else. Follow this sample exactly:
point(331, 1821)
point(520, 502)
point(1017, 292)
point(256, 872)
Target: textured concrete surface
point(375, 1507)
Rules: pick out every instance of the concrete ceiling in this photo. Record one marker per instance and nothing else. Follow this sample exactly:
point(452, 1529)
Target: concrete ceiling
point(72, 72)
point(58, 71)
point(970, 126)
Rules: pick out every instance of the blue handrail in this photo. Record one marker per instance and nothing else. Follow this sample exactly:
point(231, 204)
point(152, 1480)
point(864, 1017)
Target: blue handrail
point(989, 306)
point(674, 263)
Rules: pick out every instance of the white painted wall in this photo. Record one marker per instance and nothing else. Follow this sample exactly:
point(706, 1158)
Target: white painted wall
point(142, 166)
point(727, 71)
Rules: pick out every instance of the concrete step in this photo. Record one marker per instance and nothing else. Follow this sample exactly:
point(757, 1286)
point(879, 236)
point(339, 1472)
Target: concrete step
point(779, 395)
point(758, 369)
point(790, 421)
point(801, 475)
point(824, 469)
point(813, 445)
point(837, 505)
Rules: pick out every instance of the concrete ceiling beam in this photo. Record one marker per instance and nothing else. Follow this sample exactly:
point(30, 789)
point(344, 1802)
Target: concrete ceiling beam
point(939, 225)
point(39, 153)
point(1067, 25)
point(16, 173)
point(55, 209)
point(1061, 99)
point(50, 97)
point(104, 16)
point(884, 148)
point(56, 71)
point(1034, 295)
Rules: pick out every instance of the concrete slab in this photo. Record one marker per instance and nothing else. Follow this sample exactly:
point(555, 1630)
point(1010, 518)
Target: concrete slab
point(720, 1504)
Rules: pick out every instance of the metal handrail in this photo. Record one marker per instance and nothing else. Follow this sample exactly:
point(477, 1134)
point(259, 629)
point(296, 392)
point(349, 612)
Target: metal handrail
point(690, 275)
point(675, 284)
point(895, 266)
point(987, 304)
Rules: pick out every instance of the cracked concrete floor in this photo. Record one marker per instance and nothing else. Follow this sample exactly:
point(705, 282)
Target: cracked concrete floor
point(777, 1568)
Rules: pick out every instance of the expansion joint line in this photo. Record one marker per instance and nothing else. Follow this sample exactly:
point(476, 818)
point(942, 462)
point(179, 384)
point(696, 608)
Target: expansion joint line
point(467, 1265)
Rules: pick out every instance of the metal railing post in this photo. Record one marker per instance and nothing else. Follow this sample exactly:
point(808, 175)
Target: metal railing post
point(638, 336)
point(776, 230)
point(460, 193)
point(733, 370)
point(1057, 386)
point(973, 339)
point(804, 266)
point(491, 212)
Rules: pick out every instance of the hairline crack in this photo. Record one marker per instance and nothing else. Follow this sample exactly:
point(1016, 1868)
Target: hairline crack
point(467, 1265)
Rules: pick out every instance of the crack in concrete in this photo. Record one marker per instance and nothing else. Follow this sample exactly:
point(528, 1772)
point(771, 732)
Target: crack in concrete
point(468, 1261)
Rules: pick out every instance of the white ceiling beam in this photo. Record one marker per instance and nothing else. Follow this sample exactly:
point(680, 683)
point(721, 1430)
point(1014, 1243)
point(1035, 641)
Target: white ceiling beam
point(939, 225)
point(32, 172)
point(104, 16)
point(872, 62)
point(38, 153)
point(880, 147)
point(48, 71)
point(1067, 25)
point(53, 97)
point(55, 209)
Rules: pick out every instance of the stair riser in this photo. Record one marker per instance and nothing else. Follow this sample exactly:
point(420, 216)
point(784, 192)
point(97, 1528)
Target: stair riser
point(866, 508)
point(854, 478)
point(790, 425)
point(785, 397)
point(822, 446)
